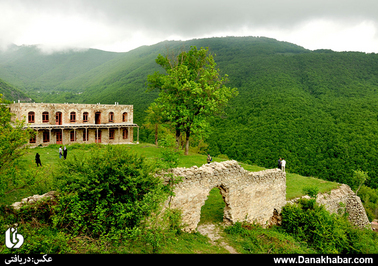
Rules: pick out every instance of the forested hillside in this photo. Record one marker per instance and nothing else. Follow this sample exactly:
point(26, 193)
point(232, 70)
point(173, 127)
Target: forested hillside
point(317, 109)
point(39, 74)
point(10, 93)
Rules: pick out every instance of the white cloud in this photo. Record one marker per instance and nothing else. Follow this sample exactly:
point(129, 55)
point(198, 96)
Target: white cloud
point(121, 25)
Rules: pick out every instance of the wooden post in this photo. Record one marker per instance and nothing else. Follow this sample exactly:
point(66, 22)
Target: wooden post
point(138, 136)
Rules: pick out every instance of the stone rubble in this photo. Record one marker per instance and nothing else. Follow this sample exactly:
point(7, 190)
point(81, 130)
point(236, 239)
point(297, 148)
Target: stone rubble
point(33, 199)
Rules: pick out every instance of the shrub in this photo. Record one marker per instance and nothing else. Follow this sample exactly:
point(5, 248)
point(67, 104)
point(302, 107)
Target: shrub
point(312, 191)
point(112, 189)
point(327, 233)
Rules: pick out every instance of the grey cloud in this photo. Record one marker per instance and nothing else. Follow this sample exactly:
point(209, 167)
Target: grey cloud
point(200, 17)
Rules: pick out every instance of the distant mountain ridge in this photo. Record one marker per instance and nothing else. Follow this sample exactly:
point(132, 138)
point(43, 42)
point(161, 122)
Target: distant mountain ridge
point(317, 109)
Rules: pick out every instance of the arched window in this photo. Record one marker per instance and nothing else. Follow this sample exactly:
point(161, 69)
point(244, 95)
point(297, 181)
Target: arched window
point(45, 117)
point(111, 117)
point(124, 117)
point(31, 116)
point(85, 117)
point(72, 117)
point(125, 133)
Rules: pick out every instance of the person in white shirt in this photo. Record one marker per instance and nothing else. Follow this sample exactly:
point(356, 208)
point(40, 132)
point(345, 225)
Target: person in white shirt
point(60, 152)
point(283, 164)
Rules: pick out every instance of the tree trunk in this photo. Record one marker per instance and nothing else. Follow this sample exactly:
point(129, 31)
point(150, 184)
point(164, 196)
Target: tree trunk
point(187, 143)
point(178, 139)
point(156, 134)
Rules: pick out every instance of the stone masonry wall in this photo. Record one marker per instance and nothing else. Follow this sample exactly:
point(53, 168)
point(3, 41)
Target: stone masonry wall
point(342, 200)
point(249, 196)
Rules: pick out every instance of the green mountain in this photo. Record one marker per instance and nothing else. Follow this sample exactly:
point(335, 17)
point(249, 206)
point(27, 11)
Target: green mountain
point(10, 93)
point(317, 109)
point(36, 72)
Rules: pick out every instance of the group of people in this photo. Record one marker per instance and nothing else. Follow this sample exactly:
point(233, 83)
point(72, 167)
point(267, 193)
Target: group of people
point(61, 153)
point(64, 154)
point(281, 164)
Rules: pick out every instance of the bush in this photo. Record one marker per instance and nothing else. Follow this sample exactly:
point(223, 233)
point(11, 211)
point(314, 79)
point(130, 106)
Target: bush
point(112, 189)
point(327, 233)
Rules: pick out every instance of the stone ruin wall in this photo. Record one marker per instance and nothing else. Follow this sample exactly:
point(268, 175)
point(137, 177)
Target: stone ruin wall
point(342, 200)
point(249, 196)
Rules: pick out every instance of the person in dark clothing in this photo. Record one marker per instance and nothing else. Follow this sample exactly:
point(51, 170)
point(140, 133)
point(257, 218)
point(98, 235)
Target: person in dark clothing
point(65, 152)
point(38, 160)
point(209, 159)
point(279, 163)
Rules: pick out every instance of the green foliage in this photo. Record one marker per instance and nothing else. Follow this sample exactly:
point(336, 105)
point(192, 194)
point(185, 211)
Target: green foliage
point(325, 232)
point(359, 178)
point(112, 189)
point(369, 198)
point(190, 92)
point(253, 239)
point(12, 137)
point(169, 154)
point(312, 191)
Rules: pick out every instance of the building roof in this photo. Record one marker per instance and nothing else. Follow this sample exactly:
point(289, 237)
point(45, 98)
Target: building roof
point(86, 125)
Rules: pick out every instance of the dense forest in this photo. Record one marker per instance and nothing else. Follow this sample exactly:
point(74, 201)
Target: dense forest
point(317, 109)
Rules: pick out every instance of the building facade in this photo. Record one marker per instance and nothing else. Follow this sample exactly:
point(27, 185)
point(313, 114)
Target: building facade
point(77, 123)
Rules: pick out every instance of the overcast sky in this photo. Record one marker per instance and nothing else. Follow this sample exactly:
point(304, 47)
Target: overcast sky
point(122, 25)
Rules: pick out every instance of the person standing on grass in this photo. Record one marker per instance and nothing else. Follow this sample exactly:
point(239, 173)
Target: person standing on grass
point(65, 152)
point(209, 159)
point(38, 160)
point(283, 164)
point(60, 152)
point(279, 163)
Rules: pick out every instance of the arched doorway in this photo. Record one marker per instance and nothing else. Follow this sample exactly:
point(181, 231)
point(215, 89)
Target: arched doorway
point(215, 209)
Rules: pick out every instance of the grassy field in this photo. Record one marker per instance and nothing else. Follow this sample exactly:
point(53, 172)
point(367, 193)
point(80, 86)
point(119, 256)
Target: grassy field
point(50, 158)
point(270, 240)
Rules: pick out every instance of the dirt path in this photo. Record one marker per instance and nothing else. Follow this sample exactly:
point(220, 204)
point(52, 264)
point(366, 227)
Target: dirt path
point(211, 231)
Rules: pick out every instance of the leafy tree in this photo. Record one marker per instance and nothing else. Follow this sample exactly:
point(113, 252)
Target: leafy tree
point(13, 137)
point(153, 119)
point(191, 91)
point(359, 178)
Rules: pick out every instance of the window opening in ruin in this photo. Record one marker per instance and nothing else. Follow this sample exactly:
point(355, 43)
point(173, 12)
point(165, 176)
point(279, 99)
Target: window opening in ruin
point(98, 118)
point(111, 117)
point(124, 117)
point(32, 139)
point(85, 117)
point(72, 117)
point(31, 117)
point(58, 118)
point(213, 209)
point(111, 133)
point(59, 139)
point(45, 117)
point(46, 136)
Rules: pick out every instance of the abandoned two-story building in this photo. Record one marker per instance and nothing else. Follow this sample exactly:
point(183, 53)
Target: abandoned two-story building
point(77, 123)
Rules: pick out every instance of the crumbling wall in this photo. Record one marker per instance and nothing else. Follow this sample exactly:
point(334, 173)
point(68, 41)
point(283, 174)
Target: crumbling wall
point(249, 196)
point(342, 200)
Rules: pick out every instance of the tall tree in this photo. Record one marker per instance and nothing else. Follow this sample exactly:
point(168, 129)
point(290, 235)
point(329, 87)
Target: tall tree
point(13, 137)
point(190, 92)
